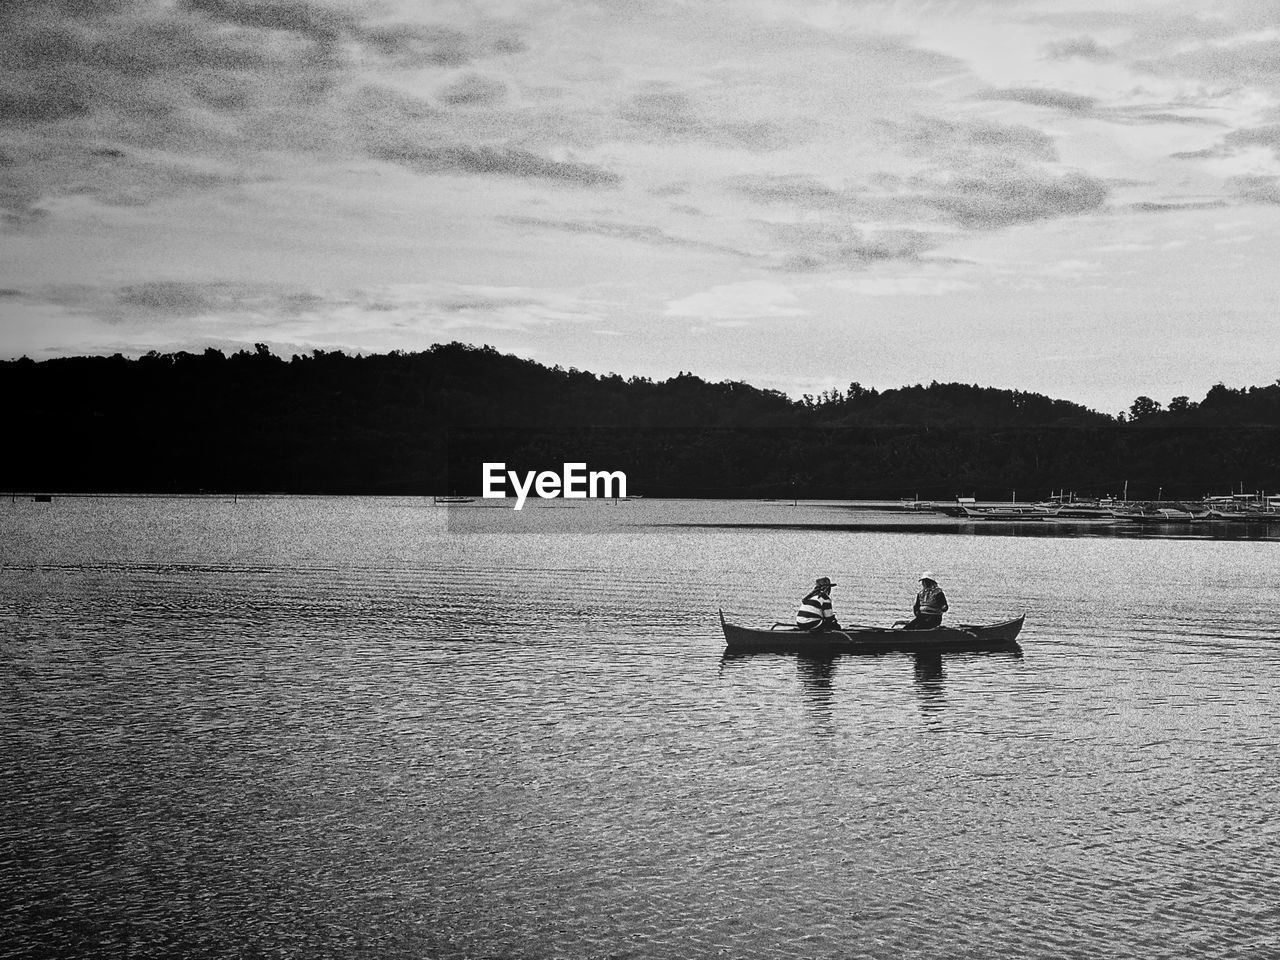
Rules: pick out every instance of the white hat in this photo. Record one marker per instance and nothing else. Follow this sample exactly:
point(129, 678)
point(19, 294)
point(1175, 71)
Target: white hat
point(928, 575)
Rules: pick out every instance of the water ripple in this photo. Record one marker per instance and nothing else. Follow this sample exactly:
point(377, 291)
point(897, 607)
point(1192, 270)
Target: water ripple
point(342, 729)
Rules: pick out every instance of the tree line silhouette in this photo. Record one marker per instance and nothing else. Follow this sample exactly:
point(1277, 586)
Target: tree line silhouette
point(425, 422)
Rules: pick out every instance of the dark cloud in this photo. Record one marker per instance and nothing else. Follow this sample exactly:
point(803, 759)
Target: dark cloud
point(619, 231)
point(242, 81)
point(474, 90)
point(812, 246)
point(169, 297)
point(1265, 136)
point(19, 197)
point(1152, 206)
point(670, 116)
point(411, 133)
point(158, 303)
point(1082, 48)
point(312, 20)
point(664, 115)
point(670, 190)
point(378, 111)
point(933, 136)
point(494, 161)
point(1249, 62)
point(136, 70)
point(757, 136)
point(1001, 198)
point(796, 190)
point(27, 98)
point(1039, 97)
point(1256, 189)
point(415, 45)
point(73, 8)
point(465, 304)
point(1160, 117)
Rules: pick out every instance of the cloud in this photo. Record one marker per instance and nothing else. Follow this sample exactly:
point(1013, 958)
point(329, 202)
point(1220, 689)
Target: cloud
point(795, 189)
point(228, 86)
point(1153, 206)
point(1253, 60)
point(312, 20)
point(497, 308)
point(1158, 117)
point(1266, 136)
point(19, 199)
point(125, 101)
point(1040, 97)
point(739, 301)
point(382, 316)
point(664, 115)
point(622, 231)
point(957, 140)
point(1082, 48)
point(1239, 143)
point(164, 302)
point(1002, 197)
point(977, 175)
point(171, 297)
point(1255, 189)
point(473, 303)
point(816, 245)
point(668, 115)
point(410, 132)
point(410, 45)
point(474, 90)
point(494, 161)
point(902, 286)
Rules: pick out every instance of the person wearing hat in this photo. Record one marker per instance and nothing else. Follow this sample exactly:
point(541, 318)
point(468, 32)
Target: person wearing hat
point(930, 605)
point(815, 611)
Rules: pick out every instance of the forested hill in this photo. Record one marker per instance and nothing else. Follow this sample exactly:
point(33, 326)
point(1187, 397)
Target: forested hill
point(425, 422)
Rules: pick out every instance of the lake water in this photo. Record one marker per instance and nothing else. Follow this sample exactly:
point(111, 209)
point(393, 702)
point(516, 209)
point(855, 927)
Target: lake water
point(296, 727)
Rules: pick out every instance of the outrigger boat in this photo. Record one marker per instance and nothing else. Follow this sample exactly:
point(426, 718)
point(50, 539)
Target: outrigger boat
point(1016, 514)
point(870, 639)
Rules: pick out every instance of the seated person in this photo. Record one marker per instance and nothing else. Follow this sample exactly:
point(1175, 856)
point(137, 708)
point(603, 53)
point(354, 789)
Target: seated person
point(930, 605)
point(815, 611)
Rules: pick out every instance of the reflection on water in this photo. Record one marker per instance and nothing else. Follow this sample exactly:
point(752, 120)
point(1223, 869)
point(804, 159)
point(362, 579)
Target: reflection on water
point(819, 690)
point(815, 674)
point(342, 728)
point(929, 674)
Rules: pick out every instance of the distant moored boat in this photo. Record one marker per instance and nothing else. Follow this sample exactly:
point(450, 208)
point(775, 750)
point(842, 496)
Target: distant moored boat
point(1010, 513)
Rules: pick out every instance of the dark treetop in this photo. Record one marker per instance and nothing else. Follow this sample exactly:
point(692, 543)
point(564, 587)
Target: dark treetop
point(425, 422)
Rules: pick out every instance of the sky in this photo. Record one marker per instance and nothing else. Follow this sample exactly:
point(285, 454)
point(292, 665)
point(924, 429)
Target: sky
point(1045, 195)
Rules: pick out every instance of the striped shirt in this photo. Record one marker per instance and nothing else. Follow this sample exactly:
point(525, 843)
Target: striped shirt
point(815, 611)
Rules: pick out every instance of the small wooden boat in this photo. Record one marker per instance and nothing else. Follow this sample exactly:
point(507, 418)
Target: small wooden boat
point(1162, 516)
point(1243, 516)
point(870, 639)
point(927, 506)
point(1075, 508)
point(447, 500)
point(1014, 514)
